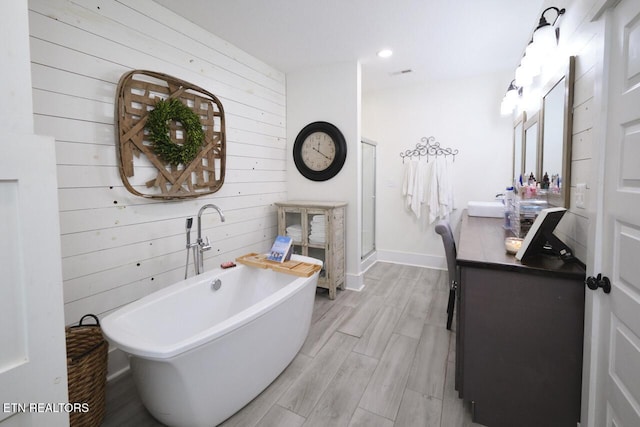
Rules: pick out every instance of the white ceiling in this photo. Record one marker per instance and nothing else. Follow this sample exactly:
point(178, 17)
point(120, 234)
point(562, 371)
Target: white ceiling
point(434, 38)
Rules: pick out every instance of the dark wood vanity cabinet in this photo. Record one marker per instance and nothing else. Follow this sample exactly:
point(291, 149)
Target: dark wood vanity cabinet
point(519, 332)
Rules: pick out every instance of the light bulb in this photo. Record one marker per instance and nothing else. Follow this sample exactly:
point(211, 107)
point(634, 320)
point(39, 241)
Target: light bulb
point(544, 39)
point(531, 64)
point(523, 76)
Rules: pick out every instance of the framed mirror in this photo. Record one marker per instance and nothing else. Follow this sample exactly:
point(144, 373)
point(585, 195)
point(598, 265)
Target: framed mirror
point(518, 141)
point(530, 150)
point(556, 129)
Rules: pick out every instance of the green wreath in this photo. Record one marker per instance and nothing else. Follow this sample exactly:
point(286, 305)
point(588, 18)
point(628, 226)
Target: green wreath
point(158, 127)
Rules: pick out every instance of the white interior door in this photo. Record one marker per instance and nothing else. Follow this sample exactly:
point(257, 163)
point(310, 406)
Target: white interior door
point(33, 374)
point(618, 396)
point(33, 370)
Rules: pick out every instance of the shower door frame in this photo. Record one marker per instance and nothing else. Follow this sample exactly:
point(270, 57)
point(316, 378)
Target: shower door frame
point(363, 254)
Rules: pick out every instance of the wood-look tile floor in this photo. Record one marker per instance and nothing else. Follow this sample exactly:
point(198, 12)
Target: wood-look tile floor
point(381, 357)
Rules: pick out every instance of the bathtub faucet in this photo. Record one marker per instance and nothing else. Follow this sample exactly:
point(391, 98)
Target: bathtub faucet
point(203, 245)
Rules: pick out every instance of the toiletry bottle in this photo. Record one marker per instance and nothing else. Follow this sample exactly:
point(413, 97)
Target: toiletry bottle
point(508, 207)
point(545, 181)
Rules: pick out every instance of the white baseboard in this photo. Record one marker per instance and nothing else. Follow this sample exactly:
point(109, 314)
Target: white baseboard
point(354, 282)
point(410, 258)
point(366, 263)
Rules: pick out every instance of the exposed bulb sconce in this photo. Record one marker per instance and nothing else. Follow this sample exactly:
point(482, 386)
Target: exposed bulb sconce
point(510, 99)
point(530, 61)
point(546, 36)
point(524, 75)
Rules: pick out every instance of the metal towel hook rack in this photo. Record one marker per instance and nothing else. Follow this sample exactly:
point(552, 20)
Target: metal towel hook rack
point(428, 147)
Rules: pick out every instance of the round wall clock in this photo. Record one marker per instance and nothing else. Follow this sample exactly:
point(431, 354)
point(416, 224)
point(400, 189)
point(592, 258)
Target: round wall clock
point(319, 151)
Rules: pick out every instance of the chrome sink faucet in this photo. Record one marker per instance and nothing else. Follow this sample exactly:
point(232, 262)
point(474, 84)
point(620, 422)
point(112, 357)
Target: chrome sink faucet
point(203, 245)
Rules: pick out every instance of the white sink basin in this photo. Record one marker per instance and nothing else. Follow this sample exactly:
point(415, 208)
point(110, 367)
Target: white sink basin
point(486, 209)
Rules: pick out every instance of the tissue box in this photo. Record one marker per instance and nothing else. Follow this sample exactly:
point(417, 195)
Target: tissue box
point(486, 209)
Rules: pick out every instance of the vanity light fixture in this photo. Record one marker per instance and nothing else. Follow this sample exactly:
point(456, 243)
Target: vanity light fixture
point(385, 53)
point(543, 42)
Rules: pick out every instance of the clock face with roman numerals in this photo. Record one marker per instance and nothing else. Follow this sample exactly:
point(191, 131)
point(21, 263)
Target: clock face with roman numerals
point(320, 151)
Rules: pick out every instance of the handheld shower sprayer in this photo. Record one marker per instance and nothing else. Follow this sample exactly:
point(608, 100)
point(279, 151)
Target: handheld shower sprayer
point(188, 226)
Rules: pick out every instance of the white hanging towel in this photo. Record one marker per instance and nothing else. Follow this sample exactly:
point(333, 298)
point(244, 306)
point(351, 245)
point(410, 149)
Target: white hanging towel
point(408, 182)
point(432, 198)
point(448, 200)
point(421, 177)
point(440, 199)
point(416, 174)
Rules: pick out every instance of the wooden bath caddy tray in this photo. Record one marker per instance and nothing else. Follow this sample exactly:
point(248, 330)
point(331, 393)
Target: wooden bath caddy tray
point(297, 268)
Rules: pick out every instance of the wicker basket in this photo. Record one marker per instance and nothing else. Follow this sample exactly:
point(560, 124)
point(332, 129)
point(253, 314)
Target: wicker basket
point(87, 372)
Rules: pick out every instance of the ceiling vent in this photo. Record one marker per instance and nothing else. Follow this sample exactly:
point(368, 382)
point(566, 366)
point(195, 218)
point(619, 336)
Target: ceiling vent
point(398, 73)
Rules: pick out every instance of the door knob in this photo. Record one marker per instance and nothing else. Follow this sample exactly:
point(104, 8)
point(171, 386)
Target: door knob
point(600, 281)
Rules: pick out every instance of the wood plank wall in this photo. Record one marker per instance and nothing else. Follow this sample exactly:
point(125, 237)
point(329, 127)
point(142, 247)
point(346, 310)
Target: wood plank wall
point(117, 247)
point(583, 39)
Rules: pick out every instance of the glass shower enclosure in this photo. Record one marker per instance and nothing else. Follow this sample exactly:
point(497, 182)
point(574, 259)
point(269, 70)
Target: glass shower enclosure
point(368, 232)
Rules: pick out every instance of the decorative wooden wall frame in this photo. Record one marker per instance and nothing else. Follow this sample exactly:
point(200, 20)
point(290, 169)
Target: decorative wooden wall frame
point(141, 168)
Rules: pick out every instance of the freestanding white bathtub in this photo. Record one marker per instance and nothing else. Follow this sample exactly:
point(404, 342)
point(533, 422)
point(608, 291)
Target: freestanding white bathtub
point(198, 355)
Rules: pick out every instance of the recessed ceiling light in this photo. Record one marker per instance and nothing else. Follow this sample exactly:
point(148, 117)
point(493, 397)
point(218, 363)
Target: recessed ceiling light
point(385, 53)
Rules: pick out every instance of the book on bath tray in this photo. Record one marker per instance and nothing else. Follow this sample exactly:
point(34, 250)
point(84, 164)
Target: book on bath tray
point(281, 249)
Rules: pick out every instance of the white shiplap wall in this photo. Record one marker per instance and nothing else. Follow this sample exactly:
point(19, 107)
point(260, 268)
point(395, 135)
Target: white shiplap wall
point(582, 38)
point(117, 247)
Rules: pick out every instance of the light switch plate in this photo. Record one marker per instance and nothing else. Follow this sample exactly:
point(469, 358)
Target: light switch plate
point(580, 194)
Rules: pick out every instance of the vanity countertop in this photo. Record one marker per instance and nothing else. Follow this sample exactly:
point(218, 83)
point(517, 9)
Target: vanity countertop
point(481, 245)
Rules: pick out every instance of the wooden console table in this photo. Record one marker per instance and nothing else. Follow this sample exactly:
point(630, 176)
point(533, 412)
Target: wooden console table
point(519, 332)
